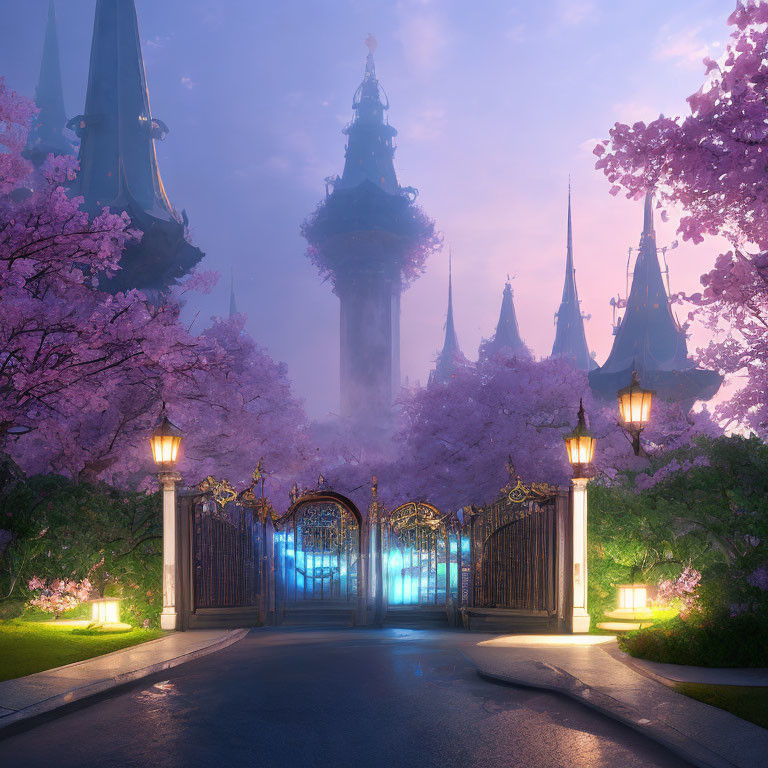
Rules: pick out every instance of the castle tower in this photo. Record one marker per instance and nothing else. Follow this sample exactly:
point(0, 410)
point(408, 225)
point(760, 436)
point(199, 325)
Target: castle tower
point(118, 162)
point(363, 237)
point(650, 340)
point(451, 359)
point(47, 134)
point(570, 339)
point(507, 340)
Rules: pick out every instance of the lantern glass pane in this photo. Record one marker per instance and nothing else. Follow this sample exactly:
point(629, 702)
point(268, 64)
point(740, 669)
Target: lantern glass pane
point(165, 448)
point(633, 597)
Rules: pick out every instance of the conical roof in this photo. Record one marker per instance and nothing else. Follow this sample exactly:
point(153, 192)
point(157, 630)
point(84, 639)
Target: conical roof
point(507, 339)
point(47, 134)
point(649, 339)
point(570, 338)
point(370, 147)
point(118, 161)
point(450, 359)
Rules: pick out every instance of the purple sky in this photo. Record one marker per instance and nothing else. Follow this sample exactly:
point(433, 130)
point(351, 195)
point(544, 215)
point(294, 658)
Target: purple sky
point(495, 104)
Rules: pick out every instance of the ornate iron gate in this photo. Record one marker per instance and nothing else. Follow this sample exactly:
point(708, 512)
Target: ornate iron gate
point(227, 544)
point(517, 551)
point(318, 550)
point(418, 557)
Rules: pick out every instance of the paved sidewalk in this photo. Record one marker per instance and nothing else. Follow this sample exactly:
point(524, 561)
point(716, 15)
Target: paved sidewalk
point(709, 675)
point(43, 692)
point(588, 669)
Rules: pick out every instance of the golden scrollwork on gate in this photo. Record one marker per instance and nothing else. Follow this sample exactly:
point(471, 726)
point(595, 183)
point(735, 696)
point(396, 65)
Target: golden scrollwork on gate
point(221, 490)
point(414, 519)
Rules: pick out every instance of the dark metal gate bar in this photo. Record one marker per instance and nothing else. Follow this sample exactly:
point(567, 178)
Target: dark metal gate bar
point(227, 548)
point(519, 565)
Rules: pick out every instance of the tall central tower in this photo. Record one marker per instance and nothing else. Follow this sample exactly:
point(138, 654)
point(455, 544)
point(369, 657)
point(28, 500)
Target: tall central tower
point(369, 238)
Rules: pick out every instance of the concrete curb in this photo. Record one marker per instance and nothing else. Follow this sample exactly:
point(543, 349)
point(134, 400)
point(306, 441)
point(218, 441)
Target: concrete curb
point(560, 681)
point(105, 684)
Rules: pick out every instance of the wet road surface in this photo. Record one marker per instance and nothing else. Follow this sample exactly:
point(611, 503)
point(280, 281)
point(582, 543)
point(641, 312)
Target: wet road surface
point(363, 698)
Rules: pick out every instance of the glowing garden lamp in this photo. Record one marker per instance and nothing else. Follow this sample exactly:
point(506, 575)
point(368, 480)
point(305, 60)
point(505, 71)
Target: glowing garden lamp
point(580, 444)
point(633, 597)
point(165, 442)
point(635, 409)
point(105, 610)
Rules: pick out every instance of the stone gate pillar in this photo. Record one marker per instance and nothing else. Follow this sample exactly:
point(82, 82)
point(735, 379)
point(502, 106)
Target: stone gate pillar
point(579, 615)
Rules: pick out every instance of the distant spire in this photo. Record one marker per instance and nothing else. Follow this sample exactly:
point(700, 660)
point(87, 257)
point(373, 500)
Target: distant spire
point(507, 338)
point(570, 339)
point(370, 149)
point(649, 339)
point(232, 304)
point(47, 134)
point(450, 359)
point(118, 161)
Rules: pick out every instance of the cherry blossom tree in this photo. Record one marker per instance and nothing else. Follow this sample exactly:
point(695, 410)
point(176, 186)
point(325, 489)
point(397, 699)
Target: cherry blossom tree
point(83, 373)
point(712, 164)
point(455, 439)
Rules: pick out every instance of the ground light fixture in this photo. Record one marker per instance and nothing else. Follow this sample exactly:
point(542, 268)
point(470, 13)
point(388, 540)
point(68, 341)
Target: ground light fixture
point(633, 597)
point(580, 445)
point(635, 409)
point(105, 610)
point(165, 442)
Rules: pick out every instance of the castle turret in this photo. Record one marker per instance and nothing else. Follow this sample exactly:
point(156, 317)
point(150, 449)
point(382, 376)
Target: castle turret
point(570, 339)
point(369, 239)
point(118, 161)
point(507, 340)
point(47, 134)
point(649, 338)
point(450, 359)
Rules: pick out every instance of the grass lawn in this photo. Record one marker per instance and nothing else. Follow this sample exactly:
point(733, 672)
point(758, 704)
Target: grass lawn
point(744, 702)
point(27, 647)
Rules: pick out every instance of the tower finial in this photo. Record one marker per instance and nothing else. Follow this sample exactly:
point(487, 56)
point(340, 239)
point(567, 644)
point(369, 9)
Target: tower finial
point(371, 43)
point(648, 214)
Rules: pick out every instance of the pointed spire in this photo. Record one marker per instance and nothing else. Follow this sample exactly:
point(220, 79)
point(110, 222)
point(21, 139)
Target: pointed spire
point(649, 339)
point(648, 230)
point(570, 339)
point(370, 149)
point(232, 304)
point(507, 338)
point(118, 161)
point(47, 134)
point(450, 359)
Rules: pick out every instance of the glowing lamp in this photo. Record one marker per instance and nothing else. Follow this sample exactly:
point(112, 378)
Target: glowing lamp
point(580, 444)
point(165, 442)
point(105, 610)
point(633, 597)
point(635, 404)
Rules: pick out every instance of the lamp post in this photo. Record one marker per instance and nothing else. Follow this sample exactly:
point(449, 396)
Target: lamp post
point(580, 445)
point(165, 442)
point(635, 410)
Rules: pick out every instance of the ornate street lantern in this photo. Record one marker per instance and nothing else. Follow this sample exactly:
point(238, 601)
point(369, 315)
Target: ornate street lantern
point(635, 409)
point(165, 442)
point(580, 444)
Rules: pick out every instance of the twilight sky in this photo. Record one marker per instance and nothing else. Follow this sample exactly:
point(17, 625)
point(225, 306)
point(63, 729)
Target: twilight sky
point(495, 103)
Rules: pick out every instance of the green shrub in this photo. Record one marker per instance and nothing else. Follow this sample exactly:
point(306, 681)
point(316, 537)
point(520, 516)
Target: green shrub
point(703, 641)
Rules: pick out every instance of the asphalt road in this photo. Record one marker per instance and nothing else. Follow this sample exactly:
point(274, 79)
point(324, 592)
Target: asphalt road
point(332, 698)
